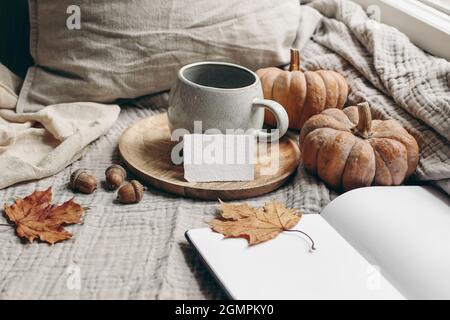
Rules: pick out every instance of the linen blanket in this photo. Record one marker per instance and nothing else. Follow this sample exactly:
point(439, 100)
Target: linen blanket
point(139, 251)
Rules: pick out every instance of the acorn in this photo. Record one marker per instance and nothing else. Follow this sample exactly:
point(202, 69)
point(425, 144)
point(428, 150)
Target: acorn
point(83, 182)
point(132, 192)
point(115, 176)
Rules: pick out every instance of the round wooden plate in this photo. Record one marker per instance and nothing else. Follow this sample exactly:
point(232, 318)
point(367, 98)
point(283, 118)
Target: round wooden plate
point(146, 148)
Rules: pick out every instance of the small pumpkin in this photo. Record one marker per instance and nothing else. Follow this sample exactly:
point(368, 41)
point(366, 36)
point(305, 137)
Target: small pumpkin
point(348, 150)
point(302, 94)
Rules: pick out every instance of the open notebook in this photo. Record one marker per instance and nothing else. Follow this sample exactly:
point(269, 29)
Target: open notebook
point(372, 243)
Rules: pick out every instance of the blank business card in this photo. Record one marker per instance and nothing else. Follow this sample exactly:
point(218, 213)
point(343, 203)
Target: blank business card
point(219, 157)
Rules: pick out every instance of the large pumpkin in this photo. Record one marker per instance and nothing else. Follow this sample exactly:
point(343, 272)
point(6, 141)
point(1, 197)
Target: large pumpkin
point(302, 94)
point(347, 150)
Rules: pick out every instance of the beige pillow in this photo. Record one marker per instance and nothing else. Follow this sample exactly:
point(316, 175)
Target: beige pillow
point(127, 49)
point(9, 87)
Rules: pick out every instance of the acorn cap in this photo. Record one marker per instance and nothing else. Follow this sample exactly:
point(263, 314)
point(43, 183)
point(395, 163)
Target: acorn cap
point(82, 181)
point(117, 167)
point(75, 176)
point(138, 189)
point(132, 192)
point(115, 176)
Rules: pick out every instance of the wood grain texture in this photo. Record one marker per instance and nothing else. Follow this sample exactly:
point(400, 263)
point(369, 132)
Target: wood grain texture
point(145, 148)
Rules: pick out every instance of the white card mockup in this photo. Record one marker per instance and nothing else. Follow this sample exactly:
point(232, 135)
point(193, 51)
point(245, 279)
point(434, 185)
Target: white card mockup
point(215, 158)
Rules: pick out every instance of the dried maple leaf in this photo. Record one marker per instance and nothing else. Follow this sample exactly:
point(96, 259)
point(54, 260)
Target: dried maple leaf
point(257, 225)
point(35, 217)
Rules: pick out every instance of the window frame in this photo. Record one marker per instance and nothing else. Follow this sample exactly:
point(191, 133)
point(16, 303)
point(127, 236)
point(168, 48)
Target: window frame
point(431, 30)
point(438, 5)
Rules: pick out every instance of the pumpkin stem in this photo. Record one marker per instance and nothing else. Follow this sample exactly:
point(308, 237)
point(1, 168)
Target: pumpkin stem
point(364, 126)
point(295, 60)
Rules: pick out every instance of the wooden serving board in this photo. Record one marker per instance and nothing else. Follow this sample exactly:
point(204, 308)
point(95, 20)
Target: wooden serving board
point(145, 148)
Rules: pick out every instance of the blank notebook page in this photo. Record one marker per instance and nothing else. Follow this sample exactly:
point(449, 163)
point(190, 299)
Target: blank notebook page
point(405, 230)
point(284, 268)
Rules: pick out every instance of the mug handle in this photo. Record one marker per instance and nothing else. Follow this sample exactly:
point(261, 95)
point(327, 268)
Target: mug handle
point(280, 115)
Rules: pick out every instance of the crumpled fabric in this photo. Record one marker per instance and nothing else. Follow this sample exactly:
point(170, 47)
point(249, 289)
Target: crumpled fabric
point(40, 144)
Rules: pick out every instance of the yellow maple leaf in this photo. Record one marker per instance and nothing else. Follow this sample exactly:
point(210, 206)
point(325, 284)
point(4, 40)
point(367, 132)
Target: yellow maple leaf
point(256, 225)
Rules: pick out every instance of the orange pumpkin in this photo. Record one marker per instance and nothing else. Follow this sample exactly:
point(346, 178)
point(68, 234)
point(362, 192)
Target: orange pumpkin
point(347, 150)
point(303, 94)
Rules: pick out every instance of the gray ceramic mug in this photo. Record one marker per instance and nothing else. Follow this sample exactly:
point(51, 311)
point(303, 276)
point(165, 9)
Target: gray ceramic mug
point(222, 96)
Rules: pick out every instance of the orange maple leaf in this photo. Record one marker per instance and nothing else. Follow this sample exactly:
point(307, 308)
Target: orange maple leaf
point(35, 217)
point(256, 224)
